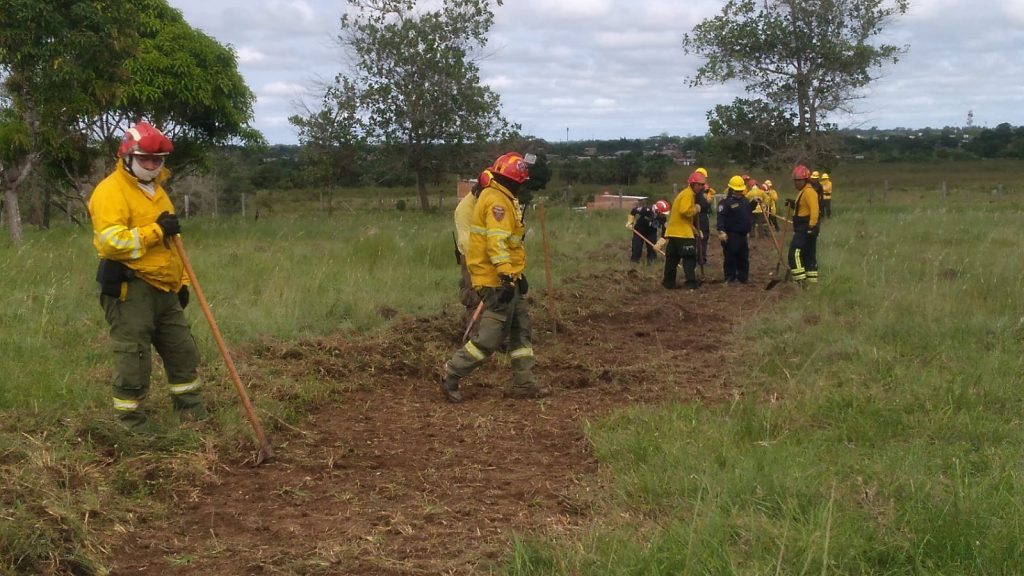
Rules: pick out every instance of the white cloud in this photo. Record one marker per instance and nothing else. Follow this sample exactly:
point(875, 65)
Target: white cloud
point(615, 68)
point(931, 9)
point(281, 90)
point(250, 56)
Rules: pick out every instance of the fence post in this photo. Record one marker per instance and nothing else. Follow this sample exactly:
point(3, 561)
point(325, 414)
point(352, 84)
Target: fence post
point(945, 190)
point(187, 198)
point(243, 205)
point(885, 190)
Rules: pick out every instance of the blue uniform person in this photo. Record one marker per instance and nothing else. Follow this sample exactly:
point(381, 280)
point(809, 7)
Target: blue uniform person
point(735, 220)
point(647, 222)
point(703, 221)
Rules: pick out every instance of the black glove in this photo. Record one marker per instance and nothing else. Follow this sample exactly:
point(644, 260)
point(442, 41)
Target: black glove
point(183, 297)
point(169, 224)
point(523, 285)
point(508, 289)
point(790, 203)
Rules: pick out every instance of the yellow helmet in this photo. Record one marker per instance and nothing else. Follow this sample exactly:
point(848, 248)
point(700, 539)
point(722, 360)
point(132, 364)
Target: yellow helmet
point(768, 183)
point(815, 175)
point(824, 176)
point(736, 183)
point(702, 171)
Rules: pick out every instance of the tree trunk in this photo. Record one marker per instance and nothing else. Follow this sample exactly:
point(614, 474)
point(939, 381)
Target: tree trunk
point(12, 214)
point(421, 190)
point(12, 217)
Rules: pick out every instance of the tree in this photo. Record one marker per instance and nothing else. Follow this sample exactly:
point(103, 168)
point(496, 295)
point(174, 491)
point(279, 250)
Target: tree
point(751, 132)
point(806, 59)
point(183, 81)
point(58, 64)
point(656, 167)
point(415, 82)
point(79, 73)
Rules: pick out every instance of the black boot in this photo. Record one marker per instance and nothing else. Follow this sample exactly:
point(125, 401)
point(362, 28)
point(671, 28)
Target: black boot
point(450, 389)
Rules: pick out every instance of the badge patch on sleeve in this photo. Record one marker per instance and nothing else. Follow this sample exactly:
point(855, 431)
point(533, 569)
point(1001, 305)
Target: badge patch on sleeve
point(499, 213)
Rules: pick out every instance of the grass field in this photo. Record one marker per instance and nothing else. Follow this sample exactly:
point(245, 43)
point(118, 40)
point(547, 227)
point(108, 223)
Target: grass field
point(879, 430)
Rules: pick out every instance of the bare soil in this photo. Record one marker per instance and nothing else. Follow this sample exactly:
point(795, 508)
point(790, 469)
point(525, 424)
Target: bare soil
point(386, 478)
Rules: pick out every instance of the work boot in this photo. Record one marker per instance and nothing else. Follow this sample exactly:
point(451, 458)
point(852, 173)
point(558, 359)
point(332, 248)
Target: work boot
point(450, 389)
point(526, 391)
point(133, 421)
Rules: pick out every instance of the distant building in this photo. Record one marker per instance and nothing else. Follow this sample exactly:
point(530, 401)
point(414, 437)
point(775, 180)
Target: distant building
point(608, 201)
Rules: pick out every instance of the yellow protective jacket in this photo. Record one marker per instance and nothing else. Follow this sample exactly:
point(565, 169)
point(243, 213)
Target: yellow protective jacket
point(773, 200)
point(807, 205)
point(826, 189)
point(757, 195)
point(495, 237)
point(125, 228)
point(680, 219)
point(463, 221)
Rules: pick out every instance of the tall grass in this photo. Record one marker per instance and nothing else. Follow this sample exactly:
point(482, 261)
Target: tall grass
point(879, 431)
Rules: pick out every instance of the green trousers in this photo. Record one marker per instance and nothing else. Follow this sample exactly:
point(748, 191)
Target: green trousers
point(498, 321)
point(147, 318)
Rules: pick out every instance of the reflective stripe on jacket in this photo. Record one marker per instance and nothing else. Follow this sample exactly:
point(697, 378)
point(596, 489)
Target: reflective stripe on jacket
point(125, 228)
point(495, 237)
point(680, 219)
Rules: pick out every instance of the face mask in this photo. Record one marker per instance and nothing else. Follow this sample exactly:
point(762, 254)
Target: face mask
point(141, 173)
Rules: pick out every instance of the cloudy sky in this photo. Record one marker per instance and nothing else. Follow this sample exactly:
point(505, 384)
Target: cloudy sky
point(615, 68)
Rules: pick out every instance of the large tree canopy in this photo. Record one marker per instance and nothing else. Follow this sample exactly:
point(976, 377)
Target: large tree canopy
point(183, 81)
point(413, 91)
point(78, 73)
point(803, 58)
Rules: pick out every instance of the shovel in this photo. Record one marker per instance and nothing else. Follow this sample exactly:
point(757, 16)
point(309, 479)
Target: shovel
point(265, 452)
point(778, 248)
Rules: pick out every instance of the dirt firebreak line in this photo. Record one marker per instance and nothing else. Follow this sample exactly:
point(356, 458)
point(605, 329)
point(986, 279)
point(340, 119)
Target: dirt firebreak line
point(389, 479)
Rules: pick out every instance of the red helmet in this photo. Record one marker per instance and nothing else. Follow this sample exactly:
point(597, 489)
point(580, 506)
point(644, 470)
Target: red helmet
point(801, 172)
point(513, 166)
point(697, 178)
point(662, 207)
point(143, 138)
point(483, 179)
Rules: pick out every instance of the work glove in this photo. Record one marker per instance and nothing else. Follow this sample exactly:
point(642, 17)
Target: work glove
point(697, 208)
point(183, 297)
point(722, 236)
point(508, 289)
point(660, 244)
point(629, 222)
point(523, 285)
point(169, 224)
point(790, 203)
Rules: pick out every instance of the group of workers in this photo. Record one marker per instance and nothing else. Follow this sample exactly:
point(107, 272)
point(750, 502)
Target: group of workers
point(681, 230)
point(144, 287)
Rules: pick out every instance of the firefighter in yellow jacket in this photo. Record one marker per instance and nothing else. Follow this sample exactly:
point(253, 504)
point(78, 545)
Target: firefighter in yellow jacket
point(826, 195)
point(143, 286)
point(496, 260)
point(463, 217)
point(803, 248)
point(682, 244)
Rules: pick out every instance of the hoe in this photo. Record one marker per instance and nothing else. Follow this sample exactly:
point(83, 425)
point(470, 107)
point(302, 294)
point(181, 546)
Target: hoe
point(265, 453)
point(778, 247)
